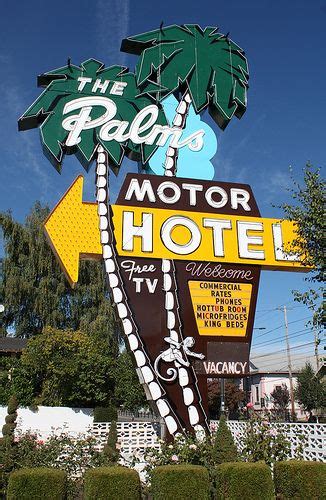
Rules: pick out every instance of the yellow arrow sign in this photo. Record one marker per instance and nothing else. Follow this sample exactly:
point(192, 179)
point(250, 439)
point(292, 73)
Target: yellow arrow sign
point(72, 229)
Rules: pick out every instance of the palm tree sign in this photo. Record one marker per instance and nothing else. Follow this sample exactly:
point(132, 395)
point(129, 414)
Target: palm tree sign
point(207, 70)
point(90, 80)
point(48, 111)
point(206, 67)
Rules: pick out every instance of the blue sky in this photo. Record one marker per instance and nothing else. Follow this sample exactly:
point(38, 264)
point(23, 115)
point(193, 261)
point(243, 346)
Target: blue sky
point(284, 123)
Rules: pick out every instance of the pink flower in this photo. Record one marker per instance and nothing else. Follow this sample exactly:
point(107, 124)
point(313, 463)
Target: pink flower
point(250, 405)
point(175, 458)
point(40, 441)
point(265, 422)
point(192, 447)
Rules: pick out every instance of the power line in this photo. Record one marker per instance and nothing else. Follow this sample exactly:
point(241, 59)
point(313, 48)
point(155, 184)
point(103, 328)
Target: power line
point(299, 355)
point(280, 326)
point(295, 357)
point(282, 350)
point(292, 335)
point(277, 308)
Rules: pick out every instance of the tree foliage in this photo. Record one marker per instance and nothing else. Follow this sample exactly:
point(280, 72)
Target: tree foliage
point(233, 397)
point(308, 210)
point(76, 361)
point(310, 392)
point(66, 368)
point(281, 397)
point(128, 391)
point(35, 291)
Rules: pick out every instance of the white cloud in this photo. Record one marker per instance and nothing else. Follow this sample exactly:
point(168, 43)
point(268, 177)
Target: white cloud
point(112, 18)
point(24, 148)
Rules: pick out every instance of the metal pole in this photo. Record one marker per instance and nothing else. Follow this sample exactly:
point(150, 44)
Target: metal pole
point(222, 408)
point(289, 361)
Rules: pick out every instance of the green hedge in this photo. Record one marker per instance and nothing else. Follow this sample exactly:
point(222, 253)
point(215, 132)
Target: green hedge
point(112, 483)
point(300, 480)
point(180, 482)
point(239, 480)
point(39, 483)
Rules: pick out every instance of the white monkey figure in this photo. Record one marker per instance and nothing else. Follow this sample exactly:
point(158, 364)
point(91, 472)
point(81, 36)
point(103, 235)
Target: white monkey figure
point(174, 355)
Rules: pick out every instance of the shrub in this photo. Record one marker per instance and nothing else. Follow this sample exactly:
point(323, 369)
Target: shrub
point(9, 428)
point(7, 444)
point(110, 448)
point(238, 480)
point(180, 482)
point(224, 448)
point(111, 483)
point(105, 414)
point(40, 483)
point(263, 441)
point(73, 455)
point(300, 480)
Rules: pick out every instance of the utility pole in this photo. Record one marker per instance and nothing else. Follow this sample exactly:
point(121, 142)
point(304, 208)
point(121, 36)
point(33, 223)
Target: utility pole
point(316, 348)
point(289, 360)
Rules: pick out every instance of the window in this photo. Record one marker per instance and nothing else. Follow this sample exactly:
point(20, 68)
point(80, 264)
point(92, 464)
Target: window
point(257, 394)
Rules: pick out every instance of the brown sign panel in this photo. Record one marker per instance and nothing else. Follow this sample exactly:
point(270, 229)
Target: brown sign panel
point(214, 303)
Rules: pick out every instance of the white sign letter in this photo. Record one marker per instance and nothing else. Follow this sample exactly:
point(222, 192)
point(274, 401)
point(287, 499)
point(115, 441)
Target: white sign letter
point(244, 240)
point(130, 231)
point(195, 236)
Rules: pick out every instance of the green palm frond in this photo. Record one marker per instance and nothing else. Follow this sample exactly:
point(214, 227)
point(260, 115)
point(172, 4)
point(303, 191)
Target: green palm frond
point(61, 87)
point(206, 63)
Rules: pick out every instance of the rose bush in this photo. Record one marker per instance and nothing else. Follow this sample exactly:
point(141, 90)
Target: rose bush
point(262, 441)
point(74, 455)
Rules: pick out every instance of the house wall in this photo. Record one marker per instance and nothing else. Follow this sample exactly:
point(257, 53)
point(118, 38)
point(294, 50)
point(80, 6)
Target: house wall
point(262, 385)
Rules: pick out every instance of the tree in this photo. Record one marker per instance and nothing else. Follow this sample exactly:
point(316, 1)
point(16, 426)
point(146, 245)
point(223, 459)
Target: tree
point(37, 295)
point(308, 210)
point(35, 291)
point(66, 368)
point(281, 398)
point(233, 397)
point(310, 391)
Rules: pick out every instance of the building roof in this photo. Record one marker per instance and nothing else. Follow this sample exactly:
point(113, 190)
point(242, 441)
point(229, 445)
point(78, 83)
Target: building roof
point(283, 372)
point(12, 344)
